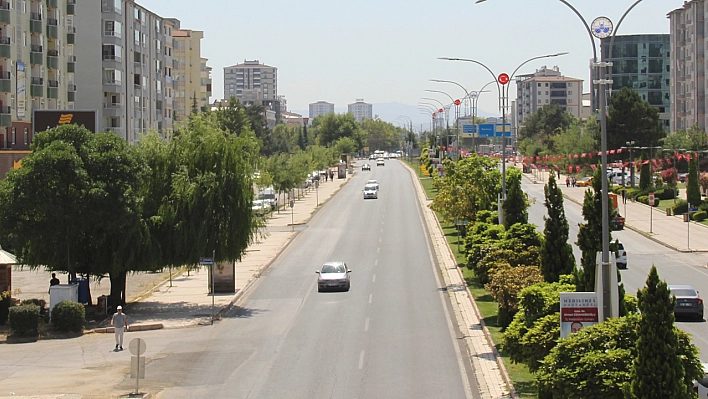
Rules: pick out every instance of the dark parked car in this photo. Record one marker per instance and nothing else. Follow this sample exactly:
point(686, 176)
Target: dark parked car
point(688, 301)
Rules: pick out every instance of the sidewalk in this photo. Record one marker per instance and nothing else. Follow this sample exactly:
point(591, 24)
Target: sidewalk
point(670, 231)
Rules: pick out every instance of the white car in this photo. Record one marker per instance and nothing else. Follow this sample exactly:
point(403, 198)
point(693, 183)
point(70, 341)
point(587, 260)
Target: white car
point(260, 207)
point(380, 162)
point(373, 182)
point(617, 179)
point(621, 255)
point(370, 191)
point(333, 275)
point(701, 386)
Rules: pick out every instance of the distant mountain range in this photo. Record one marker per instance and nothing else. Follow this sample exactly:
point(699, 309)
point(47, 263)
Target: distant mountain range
point(390, 112)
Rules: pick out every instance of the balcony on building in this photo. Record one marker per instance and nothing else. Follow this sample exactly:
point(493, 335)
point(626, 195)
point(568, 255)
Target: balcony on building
point(36, 54)
point(36, 87)
point(71, 63)
point(52, 3)
point(52, 28)
point(53, 59)
point(70, 35)
point(35, 22)
point(53, 89)
point(70, 4)
point(5, 47)
point(5, 16)
point(5, 116)
point(5, 82)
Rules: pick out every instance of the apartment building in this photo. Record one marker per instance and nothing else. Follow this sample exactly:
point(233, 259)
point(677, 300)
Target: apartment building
point(642, 62)
point(253, 83)
point(688, 75)
point(360, 110)
point(544, 87)
point(320, 108)
point(36, 53)
point(190, 73)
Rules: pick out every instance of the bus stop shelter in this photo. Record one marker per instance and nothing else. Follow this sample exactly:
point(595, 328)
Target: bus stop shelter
point(7, 260)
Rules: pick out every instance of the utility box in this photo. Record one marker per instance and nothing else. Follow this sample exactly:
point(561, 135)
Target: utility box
point(62, 292)
point(342, 171)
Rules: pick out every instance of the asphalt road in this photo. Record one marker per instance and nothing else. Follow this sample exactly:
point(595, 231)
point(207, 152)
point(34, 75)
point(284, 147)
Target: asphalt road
point(389, 336)
point(674, 267)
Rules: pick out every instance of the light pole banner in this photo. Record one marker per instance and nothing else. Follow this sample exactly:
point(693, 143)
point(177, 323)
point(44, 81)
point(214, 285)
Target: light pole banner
point(578, 310)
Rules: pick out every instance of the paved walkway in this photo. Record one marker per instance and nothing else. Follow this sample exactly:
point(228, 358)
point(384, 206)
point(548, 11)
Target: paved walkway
point(670, 231)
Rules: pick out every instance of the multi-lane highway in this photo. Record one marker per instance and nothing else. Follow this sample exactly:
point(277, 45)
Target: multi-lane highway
point(674, 267)
point(389, 336)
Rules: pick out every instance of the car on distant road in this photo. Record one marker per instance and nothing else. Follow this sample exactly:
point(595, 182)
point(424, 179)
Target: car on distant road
point(365, 166)
point(370, 191)
point(380, 162)
point(700, 387)
point(620, 254)
point(617, 223)
point(374, 182)
point(617, 179)
point(260, 207)
point(688, 301)
point(584, 182)
point(332, 276)
point(682, 177)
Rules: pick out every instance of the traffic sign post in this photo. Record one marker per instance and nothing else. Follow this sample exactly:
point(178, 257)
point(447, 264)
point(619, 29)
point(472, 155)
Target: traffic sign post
point(137, 363)
point(651, 211)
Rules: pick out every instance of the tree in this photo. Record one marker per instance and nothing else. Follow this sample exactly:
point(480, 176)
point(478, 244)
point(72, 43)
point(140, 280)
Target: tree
point(331, 127)
point(590, 233)
point(345, 145)
point(515, 206)
point(469, 186)
point(693, 189)
point(380, 135)
point(580, 137)
point(195, 107)
point(632, 119)
point(556, 253)
point(73, 206)
point(596, 361)
point(657, 370)
point(645, 178)
point(546, 123)
point(505, 284)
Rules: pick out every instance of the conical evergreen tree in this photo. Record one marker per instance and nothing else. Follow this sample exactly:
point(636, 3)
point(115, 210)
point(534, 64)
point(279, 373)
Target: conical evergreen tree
point(693, 189)
point(556, 253)
point(657, 371)
point(515, 206)
point(645, 180)
point(590, 234)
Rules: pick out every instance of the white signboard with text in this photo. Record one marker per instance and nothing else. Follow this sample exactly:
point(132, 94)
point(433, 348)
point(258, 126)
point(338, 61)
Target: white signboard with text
point(578, 310)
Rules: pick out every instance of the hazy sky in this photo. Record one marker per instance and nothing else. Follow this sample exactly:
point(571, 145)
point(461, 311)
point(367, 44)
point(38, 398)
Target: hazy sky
point(386, 51)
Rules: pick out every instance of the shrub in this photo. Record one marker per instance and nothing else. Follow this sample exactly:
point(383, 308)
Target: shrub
point(666, 193)
point(39, 302)
point(632, 192)
point(505, 285)
point(68, 316)
point(699, 216)
point(24, 319)
point(680, 207)
point(5, 302)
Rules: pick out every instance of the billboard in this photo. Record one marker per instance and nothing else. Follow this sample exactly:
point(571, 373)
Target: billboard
point(578, 310)
point(46, 119)
point(21, 89)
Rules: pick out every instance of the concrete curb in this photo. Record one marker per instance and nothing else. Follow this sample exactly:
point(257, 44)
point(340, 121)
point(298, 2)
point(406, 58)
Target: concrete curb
point(131, 328)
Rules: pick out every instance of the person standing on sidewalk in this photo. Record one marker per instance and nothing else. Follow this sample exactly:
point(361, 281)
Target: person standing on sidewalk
point(53, 281)
point(624, 195)
point(119, 321)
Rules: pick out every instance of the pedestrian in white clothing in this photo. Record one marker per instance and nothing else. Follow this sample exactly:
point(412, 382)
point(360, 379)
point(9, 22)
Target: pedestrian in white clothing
point(119, 321)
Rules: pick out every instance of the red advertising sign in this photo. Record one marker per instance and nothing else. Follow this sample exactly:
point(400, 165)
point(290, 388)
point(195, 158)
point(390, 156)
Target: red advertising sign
point(578, 310)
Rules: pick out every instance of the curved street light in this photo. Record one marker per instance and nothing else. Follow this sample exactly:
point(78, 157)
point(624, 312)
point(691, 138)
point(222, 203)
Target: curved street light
point(503, 98)
point(457, 124)
point(467, 94)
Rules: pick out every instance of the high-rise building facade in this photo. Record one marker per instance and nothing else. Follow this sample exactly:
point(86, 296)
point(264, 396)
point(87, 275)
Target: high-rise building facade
point(360, 110)
point(127, 67)
point(688, 75)
point(641, 62)
point(37, 64)
point(544, 87)
point(205, 84)
point(190, 73)
point(320, 108)
point(253, 83)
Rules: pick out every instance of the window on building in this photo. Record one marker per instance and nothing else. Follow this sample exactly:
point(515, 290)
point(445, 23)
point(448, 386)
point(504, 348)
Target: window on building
point(112, 52)
point(136, 37)
point(137, 14)
point(539, 92)
point(546, 84)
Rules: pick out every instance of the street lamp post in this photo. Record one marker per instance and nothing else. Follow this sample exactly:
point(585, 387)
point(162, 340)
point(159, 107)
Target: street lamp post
point(457, 121)
point(475, 99)
point(502, 80)
point(446, 110)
